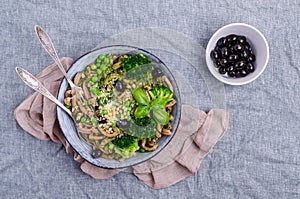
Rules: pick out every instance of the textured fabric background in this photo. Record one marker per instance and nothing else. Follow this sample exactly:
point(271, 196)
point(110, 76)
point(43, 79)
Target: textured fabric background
point(259, 156)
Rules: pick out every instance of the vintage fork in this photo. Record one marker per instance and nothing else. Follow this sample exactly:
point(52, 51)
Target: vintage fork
point(36, 85)
point(49, 47)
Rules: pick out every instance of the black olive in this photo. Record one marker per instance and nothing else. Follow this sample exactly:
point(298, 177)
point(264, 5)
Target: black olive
point(241, 73)
point(234, 39)
point(217, 48)
point(228, 37)
point(233, 58)
point(244, 73)
point(96, 153)
point(247, 46)
point(251, 58)
point(120, 86)
point(123, 123)
point(222, 70)
point(157, 72)
point(230, 68)
point(250, 68)
point(241, 39)
point(217, 64)
point(231, 39)
point(222, 42)
point(240, 65)
point(231, 49)
point(223, 62)
point(231, 74)
point(238, 74)
point(225, 52)
point(245, 54)
point(102, 120)
point(238, 47)
point(214, 55)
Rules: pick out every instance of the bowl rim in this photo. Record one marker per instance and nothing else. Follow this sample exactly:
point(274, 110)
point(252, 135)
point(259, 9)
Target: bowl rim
point(227, 80)
point(177, 97)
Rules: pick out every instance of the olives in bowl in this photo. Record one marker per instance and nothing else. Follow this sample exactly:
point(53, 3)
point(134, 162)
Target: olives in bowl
point(237, 54)
point(233, 56)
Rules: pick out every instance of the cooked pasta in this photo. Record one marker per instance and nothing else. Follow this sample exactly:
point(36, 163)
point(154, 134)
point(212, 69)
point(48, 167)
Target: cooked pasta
point(131, 100)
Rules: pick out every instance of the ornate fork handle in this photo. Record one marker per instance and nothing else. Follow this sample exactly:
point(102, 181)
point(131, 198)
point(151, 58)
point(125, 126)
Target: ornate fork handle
point(49, 47)
point(35, 84)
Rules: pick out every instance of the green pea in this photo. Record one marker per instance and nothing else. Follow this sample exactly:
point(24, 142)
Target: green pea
point(96, 91)
point(114, 123)
point(85, 103)
point(106, 147)
point(68, 106)
point(128, 113)
point(99, 71)
point(118, 116)
point(101, 57)
point(127, 103)
point(106, 60)
point(94, 120)
point(83, 119)
point(95, 79)
point(91, 83)
point(98, 64)
point(93, 66)
point(102, 67)
point(104, 112)
point(88, 122)
point(110, 146)
point(142, 150)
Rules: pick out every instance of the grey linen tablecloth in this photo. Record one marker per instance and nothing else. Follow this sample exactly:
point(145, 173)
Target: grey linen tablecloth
point(259, 156)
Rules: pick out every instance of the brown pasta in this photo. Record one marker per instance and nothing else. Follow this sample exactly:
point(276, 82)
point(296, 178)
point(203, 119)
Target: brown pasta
point(96, 118)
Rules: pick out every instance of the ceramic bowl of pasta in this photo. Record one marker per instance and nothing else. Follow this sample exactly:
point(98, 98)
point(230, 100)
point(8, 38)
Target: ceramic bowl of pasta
point(128, 109)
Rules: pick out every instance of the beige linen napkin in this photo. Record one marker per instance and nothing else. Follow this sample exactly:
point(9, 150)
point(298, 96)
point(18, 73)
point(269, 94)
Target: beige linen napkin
point(196, 135)
point(37, 115)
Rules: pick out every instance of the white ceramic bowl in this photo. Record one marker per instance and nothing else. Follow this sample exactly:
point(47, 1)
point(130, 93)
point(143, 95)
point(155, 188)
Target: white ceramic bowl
point(259, 46)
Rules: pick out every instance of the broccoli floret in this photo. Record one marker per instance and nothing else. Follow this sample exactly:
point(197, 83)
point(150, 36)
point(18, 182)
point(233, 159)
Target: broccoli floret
point(126, 146)
point(161, 95)
point(161, 92)
point(133, 61)
point(126, 143)
point(138, 67)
